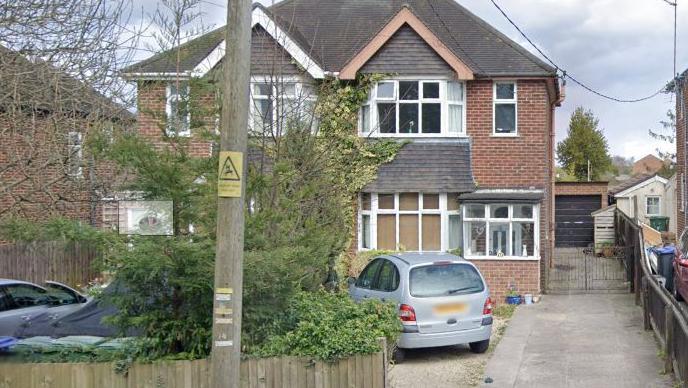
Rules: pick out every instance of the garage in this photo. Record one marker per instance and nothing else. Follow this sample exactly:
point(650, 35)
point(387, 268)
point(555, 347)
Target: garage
point(574, 224)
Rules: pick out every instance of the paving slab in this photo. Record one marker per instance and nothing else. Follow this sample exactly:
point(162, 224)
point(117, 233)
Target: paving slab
point(587, 340)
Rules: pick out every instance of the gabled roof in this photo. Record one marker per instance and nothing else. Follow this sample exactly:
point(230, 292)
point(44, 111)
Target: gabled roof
point(627, 187)
point(333, 32)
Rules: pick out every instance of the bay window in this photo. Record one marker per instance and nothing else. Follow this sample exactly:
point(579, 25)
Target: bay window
point(414, 108)
point(500, 230)
point(409, 221)
point(505, 109)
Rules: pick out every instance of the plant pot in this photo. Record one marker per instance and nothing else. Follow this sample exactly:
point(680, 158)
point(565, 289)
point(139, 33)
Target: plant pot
point(513, 299)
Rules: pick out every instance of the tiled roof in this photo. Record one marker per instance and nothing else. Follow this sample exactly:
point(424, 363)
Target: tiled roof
point(429, 167)
point(630, 183)
point(333, 31)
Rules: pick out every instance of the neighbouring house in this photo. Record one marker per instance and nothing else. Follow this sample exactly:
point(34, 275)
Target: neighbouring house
point(46, 118)
point(649, 164)
point(680, 87)
point(574, 203)
point(647, 198)
point(475, 108)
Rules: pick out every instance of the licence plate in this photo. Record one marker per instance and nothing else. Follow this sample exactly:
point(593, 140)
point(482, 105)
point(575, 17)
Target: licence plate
point(454, 308)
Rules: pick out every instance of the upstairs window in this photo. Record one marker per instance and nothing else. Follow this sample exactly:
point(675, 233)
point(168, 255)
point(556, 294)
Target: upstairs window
point(410, 108)
point(277, 105)
point(177, 109)
point(74, 154)
point(505, 109)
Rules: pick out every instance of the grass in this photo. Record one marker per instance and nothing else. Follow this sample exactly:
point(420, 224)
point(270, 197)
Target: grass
point(505, 311)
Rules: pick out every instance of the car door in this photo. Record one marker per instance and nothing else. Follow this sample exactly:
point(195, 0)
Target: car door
point(361, 289)
point(25, 301)
point(386, 283)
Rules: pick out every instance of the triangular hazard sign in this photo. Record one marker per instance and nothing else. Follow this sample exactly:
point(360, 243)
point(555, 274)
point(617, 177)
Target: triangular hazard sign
point(229, 172)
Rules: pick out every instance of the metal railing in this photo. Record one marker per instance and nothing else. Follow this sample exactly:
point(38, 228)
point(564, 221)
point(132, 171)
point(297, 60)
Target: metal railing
point(661, 312)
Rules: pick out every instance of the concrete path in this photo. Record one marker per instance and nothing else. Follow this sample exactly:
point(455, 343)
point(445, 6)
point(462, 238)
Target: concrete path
point(593, 340)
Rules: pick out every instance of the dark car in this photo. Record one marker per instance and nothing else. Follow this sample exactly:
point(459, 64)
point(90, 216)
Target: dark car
point(20, 302)
point(680, 289)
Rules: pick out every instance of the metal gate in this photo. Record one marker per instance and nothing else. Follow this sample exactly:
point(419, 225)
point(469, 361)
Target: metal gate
point(584, 269)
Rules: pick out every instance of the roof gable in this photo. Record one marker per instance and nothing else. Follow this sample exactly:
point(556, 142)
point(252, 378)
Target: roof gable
point(401, 23)
point(628, 188)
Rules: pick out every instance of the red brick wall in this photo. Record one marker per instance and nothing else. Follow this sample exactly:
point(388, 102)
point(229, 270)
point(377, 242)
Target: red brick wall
point(525, 161)
point(584, 188)
point(151, 105)
point(681, 128)
point(499, 274)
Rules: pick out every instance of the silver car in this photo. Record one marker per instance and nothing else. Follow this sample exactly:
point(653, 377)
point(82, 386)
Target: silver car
point(20, 302)
point(443, 300)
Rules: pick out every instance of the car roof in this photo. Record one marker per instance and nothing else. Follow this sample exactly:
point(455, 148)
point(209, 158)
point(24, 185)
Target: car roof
point(413, 258)
point(7, 282)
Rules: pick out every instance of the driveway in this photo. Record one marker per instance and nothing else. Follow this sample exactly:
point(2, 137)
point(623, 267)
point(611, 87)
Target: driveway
point(589, 340)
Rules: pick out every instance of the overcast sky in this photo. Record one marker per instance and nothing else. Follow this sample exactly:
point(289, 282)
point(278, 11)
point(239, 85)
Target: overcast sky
point(621, 47)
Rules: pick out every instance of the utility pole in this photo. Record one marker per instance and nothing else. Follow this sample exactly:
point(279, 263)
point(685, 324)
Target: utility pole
point(226, 345)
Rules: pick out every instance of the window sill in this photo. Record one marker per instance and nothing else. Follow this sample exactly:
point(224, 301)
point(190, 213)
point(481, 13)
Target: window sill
point(505, 135)
point(503, 258)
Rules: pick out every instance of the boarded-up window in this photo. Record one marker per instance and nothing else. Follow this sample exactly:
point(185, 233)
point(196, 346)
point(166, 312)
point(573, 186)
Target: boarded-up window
point(408, 232)
point(408, 201)
point(431, 201)
point(386, 232)
point(432, 232)
point(385, 201)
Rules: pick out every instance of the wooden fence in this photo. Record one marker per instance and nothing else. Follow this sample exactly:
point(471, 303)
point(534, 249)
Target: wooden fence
point(69, 263)
point(361, 371)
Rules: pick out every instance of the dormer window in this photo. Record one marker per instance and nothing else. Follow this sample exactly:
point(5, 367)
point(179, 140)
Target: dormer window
point(414, 108)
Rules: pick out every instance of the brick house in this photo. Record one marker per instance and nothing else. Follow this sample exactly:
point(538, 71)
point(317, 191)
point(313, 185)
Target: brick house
point(476, 109)
point(680, 84)
point(46, 116)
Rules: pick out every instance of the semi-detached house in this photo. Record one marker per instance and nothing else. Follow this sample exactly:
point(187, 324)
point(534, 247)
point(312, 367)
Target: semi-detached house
point(475, 109)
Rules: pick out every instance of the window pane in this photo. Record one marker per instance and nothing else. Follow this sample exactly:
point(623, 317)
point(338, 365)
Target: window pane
point(505, 118)
point(499, 239)
point(523, 211)
point(474, 241)
point(432, 118)
point(431, 201)
point(408, 118)
point(453, 201)
point(386, 232)
point(263, 113)
point(385, 90)
point(523, 238)
point(385, 201)
point(454, 231)
point(365, 231)
point(506, 91)
point(499, 211)
point(365, 119)
point(475, 211)
point(455, 118)
point(262, 89)
point(288, 89)
point(27, 296)
point(408, 232)
point(408, 201)
point(440, 279)
point(652, 206)
point(431, 90)
point(388, 279)
point(387, 117)
point(365, 201)
point(365, 280)
point(431, 232)
point(455, 91)
point(408, 90)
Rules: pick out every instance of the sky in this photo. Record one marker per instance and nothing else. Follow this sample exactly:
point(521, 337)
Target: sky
point(623, 48)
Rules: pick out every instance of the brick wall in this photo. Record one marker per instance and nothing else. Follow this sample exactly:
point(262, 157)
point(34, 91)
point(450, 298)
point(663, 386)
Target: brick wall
point(584, 188)
point(681, 129)
point(499, 274)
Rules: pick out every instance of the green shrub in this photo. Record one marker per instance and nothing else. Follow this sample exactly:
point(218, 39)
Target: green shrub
point(329, 326)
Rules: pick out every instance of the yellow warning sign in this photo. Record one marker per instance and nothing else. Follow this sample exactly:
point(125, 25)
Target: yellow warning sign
point(230, 175)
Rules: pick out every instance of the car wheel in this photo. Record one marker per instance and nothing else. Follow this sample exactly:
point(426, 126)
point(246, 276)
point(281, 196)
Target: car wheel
point(480, 346)
point(398, 355)
point(675, 292)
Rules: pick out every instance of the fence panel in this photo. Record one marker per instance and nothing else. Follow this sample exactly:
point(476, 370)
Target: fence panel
point(69, 263)
point(368, 370)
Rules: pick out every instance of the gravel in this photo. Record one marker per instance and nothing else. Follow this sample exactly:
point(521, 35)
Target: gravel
point(453, 366)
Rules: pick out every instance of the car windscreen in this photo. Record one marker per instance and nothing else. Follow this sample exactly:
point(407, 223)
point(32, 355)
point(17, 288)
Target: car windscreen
point(444, 279)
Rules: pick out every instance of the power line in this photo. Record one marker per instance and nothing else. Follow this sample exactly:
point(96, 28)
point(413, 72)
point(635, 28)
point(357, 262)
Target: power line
point(565, 74)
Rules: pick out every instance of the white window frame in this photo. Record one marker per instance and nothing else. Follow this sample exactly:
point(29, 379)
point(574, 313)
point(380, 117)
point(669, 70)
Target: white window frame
point(277, 97)
point(75, 150)
point(375, 210)
point(682, 183)
point(487, 219)
point(659, 205)
point(498, 101)
point(172, 98)
point(374, 125)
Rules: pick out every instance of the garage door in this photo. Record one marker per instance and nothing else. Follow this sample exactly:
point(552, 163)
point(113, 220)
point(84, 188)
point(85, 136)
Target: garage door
point(574, 224)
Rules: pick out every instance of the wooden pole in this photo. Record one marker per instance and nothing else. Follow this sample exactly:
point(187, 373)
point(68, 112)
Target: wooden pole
point(226, 346)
